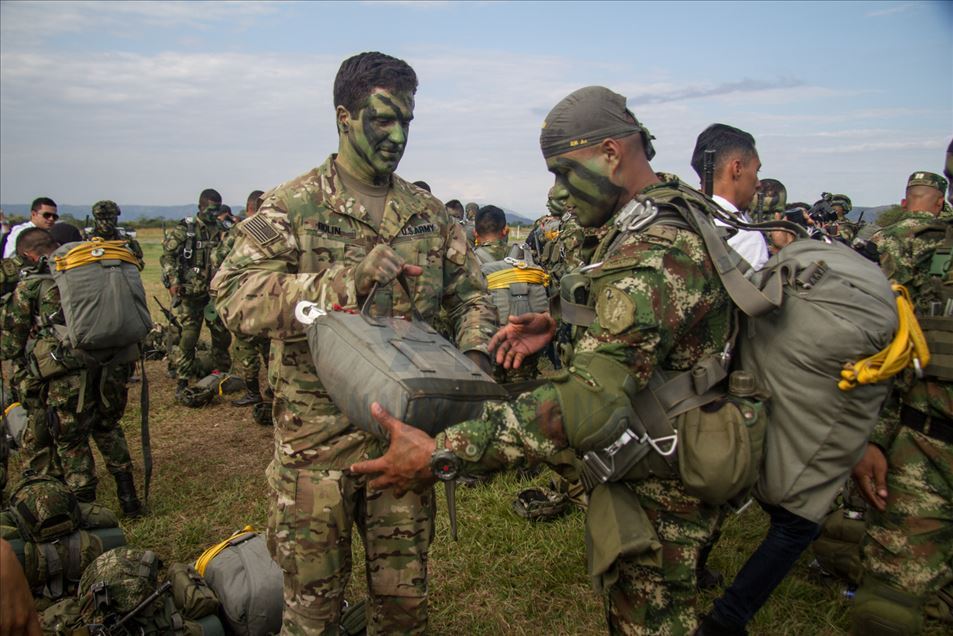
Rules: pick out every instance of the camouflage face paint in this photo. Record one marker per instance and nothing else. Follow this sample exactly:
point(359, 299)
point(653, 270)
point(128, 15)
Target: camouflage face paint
point(105, 225)
point(582, 185)
point(375, 140)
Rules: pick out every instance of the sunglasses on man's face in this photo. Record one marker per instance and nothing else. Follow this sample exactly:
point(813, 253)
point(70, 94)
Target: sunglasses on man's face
point(51, 215)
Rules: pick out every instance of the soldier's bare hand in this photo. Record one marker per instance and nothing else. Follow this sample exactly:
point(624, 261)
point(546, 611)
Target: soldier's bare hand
point(17, 612)
point(407, 459)
point(523, 335)
point(381, 265)
point(870, 473)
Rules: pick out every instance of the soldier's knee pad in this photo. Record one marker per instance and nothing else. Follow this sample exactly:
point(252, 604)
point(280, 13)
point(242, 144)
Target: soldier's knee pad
point(883, 610)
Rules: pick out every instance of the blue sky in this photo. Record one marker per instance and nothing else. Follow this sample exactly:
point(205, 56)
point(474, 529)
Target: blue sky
point(150, 102)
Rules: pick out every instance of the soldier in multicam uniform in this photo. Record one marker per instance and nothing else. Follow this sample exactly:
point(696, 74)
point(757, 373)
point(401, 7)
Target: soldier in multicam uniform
point(658, 304)
point(186, 271)
point(331, 236)
point(907, 471)
point(248, 351)
point(80, 401)
point(106, 226)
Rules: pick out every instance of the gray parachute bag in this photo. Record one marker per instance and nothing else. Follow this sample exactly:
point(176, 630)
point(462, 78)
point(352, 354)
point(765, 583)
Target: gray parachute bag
point(837, 307)
point(517, 285)
point(104, 302)
point(406, 366)
point(248, 584)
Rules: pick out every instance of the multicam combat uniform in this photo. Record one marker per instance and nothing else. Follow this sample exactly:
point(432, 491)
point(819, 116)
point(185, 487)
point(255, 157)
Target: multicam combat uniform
point(908, 554)
point(187, 261)
point(75, 403)
point(659, 305)
point(304, 244)
point(248, 351)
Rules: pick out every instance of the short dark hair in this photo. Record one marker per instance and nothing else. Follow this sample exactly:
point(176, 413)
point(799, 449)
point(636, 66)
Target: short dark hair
point(423, 185)
point(35, 239)
point(454, 204)
point(64, 233)
point(37, 202)
point(254, 200)
point(490, 220)
point(362, 73)
point(209, 196)
point(727, 142)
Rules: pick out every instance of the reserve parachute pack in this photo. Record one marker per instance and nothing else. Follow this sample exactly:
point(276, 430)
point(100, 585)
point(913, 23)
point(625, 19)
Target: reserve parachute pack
point(812, 308)
point(246, 581)
point(104, 302)
point(405, 365)
point(516, 284)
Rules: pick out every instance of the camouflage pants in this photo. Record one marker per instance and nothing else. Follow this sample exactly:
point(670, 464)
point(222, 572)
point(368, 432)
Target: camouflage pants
point(84, 404)
point(910, 546)
point(309, 536)
point(37, 448)
point(247, 355)
point(190, 312)
point(661, 600)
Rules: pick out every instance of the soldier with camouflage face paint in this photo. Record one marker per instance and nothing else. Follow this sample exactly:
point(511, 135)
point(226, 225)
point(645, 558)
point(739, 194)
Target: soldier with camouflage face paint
point(332, 236)
point(106, 226)
point(843, 228)
point(658, 304)
point(187, 268)
point(907, 471)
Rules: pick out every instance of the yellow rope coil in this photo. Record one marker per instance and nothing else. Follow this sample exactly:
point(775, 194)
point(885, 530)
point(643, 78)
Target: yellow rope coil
point(506, 277)
point(202, 562)
point(909, 348)
point(96, 250)
point(7, 410)
point(551, 235)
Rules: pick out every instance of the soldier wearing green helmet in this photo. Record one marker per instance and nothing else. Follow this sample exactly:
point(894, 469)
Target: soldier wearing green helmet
point(106, 226)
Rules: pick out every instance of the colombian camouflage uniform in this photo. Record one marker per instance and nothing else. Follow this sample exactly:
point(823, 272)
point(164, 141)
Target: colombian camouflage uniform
point(37, 445)
point(304, 244)
point(248, 351)
point(659, 305)
point(187, 261)
point(492, 250)
point(908, 554)
point(76, 403)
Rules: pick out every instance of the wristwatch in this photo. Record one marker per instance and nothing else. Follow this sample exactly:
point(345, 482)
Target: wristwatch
point(444, 464)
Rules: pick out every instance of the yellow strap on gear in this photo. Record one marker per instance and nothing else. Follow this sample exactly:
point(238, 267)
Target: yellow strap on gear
point(551, 235)
point(202, 562)
point(909, 348)
point(96, 250)
point(7, 410)
point(506, 277)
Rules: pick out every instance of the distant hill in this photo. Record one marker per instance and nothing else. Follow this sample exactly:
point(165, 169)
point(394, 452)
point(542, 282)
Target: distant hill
point(870, 214)
point(136, 212)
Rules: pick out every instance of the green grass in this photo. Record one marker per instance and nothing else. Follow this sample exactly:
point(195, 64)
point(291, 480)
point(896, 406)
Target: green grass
point(503, 575)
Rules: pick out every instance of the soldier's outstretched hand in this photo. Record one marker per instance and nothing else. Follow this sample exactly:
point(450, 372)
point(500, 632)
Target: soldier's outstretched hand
point(17, 611)
point(523, 335)
point(870, 473)
point(381, 265)
point(407, 460)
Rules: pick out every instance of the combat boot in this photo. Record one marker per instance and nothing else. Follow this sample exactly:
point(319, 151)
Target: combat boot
point(180, 388)
point(128, 500)
point(710, 626)
point(252, 394)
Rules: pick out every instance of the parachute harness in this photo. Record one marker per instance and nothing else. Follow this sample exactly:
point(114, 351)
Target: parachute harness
point(96, 250)
point(909, 348)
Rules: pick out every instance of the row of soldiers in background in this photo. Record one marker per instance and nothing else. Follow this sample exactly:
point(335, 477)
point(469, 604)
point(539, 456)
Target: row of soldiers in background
point(192, 251)
point(63, 407)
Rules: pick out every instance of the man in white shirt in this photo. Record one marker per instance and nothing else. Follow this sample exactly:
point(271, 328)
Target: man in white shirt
point(735, 182)
point(42, 214)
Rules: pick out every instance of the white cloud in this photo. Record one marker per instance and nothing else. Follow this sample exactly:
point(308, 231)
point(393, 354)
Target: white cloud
point(892, 10)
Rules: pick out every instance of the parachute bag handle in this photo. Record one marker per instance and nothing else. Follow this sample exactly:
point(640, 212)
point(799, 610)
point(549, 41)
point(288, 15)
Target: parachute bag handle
point(402, 279)
point(146, 441)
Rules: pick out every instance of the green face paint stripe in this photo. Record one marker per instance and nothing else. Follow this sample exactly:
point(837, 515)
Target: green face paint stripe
point(582, 173)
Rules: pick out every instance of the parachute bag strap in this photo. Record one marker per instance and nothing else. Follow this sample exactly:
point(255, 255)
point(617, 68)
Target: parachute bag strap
point(74, 563)
point(206, 557)
point(54, 569)
point(655, 421)
point(745, 294)
point(81, 401)
point(146, 440)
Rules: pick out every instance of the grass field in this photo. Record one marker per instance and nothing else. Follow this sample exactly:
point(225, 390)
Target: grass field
point(503, 575)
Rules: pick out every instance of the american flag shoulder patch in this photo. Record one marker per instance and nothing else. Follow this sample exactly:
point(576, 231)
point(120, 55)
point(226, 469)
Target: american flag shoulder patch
point(260, 230)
